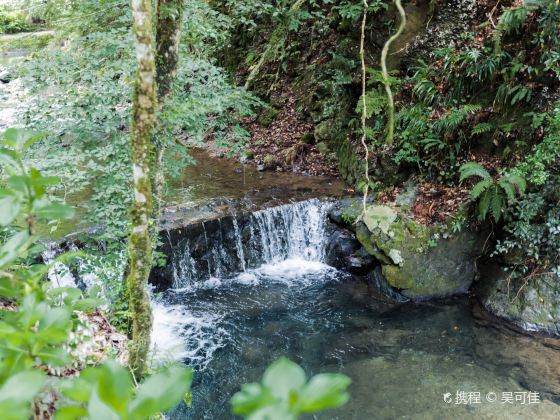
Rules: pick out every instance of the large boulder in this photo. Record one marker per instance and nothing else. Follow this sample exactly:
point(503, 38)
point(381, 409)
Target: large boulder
point(418, 261)
point(532, 304)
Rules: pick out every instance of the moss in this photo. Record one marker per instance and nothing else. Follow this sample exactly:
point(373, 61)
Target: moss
point(28, 42)
point(267, 116)
point(420, 272)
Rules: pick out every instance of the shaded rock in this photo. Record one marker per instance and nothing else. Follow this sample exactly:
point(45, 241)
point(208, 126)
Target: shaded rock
point(5, 76)
point(344, 251)
point(419, 271)
point(532, 305)
point(383, 290)
point(345, 212)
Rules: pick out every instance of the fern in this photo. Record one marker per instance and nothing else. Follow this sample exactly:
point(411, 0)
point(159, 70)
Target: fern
point(492, 196)
point(482, 128)
point(455, 118)
point(480, 187)
point(512, 20)
point(473, 169)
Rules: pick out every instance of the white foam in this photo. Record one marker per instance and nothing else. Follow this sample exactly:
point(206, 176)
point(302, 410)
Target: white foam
point(178, 334)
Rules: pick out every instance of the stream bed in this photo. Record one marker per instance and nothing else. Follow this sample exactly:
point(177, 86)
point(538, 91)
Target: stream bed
point(403, 359)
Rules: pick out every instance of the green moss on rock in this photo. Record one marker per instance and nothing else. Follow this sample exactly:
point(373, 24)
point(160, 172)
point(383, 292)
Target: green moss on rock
point(421, 272)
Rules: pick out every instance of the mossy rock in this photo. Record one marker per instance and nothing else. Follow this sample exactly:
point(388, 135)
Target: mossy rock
point(410, 265)
point(532, 305)
point(267, 116)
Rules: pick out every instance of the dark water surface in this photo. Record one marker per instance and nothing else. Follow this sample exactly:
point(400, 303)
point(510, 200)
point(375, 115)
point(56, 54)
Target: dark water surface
point(402, 359)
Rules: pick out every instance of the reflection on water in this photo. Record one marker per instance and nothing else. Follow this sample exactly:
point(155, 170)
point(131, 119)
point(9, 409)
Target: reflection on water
point(402, 359)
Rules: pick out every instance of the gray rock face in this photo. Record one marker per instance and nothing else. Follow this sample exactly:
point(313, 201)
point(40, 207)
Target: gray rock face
point(532, 305)
point(345, 251)
point(417, 262)
point(5, 76)
point(450, 20)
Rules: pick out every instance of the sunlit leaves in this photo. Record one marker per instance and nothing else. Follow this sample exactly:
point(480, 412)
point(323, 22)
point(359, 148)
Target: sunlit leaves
point(285, 393)
point(107, 392)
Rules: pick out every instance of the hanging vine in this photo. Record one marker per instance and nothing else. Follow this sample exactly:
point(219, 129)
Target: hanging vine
point(364, 105)
point(386, 81)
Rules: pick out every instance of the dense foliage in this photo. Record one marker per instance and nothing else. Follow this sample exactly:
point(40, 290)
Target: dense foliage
point(479, 112)
point(42, 330)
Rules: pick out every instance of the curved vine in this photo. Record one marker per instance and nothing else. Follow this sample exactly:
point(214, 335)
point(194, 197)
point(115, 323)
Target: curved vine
point(386, 82)
point(364, 106)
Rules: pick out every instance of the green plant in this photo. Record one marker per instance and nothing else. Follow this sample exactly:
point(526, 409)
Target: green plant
point(493, 196)
point(285, 393)
point(41, 329)
point(11, 23)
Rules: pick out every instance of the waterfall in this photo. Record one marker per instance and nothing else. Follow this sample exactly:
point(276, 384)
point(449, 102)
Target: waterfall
point(224, 247)
point(279, 245)
point(59, 273)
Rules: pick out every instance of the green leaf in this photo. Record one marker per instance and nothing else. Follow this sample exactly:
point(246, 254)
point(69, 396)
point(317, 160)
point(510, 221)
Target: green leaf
point(55, 211)
point(473, 169)
point(508, 188)
point(22, 387)
point(12, 249)
point(10, 207)
point(480, 187)
point(283, 377)
point(11, 136)
point(161, 392)
point(519, 182)
point(276, 411)
point(496, 205)
point(250, 398)
point(114, 386)
point(71, 412)
point(19, 183)
point(77, 389)
point(484, 204)
point(98, 410)
point(327, 390)
point(381, 217)
point(9, 161)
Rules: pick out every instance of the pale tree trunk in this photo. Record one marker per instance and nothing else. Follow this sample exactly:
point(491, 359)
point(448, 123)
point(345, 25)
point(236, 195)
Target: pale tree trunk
point(140, 246)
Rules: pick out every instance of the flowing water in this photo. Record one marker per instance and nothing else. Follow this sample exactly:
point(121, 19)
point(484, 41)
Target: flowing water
point(235, 314)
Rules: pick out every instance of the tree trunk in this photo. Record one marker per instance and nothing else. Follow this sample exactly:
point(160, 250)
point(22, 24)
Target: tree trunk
point(140, 246)
point(169, 17)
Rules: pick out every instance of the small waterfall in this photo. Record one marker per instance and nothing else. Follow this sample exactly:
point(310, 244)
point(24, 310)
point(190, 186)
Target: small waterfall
point(231, 245)
point(59, 274)
point(239, 245)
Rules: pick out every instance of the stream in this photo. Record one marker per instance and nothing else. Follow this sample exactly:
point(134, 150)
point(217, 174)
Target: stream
point(263, 292)
point(243, 290)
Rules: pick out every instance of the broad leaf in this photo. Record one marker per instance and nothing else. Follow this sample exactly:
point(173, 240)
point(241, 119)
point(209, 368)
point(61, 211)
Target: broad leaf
point(327, 390)
point(283, 377)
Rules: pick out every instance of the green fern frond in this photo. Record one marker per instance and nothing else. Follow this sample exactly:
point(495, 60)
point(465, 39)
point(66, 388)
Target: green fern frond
point(482, 128)
point(480, 187)
point(496, 203)
point(508, 188)
point(473, 169)
point(512, 20)
point(519, 182)
point(484, 204)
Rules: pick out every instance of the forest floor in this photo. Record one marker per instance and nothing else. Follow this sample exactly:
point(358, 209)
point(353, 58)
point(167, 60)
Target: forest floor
point(281, 140)
point(279, 144)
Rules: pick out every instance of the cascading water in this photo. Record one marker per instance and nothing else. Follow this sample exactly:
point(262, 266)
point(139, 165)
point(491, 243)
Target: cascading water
point(233, 245)
point(250, 289)
point(281, 244)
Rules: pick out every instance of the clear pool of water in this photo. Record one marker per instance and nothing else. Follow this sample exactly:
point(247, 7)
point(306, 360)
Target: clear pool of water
point(402, 359)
